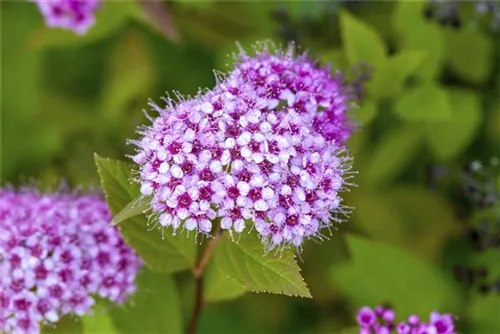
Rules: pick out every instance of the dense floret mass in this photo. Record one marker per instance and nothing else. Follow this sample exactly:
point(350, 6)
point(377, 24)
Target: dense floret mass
point(57, 251)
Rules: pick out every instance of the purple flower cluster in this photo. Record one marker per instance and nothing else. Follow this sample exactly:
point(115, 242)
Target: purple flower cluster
point(56, 251)
point(76, 15)
point(382, 321)
point(265, 147)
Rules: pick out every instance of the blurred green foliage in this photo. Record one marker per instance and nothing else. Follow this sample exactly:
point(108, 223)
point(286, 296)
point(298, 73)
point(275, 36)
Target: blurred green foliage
point(432, 99)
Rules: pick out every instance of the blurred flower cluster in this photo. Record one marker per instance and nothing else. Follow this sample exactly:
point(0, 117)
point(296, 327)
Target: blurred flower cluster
point(57, 252)
point(381, 320)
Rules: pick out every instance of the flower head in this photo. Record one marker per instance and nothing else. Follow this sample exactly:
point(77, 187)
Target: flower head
point(76, 15)
point(381, 320)
point(264, 148)
point(56, 252)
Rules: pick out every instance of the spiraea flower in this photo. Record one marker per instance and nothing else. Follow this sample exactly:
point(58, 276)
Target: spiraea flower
point(381, 320)
point(263, 149)
point(75, 15)
point(57, 251)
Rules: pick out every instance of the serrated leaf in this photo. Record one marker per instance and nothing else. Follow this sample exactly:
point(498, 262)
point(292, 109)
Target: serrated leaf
point(219, 287)
point(161, 251)
point(448, 139)
point(361, 42)
point(424, 103)
point(394, 151)
point(99, 322)
point(134, 208)
point(382, 273)
point(389, 80)
point(154, 308)
point(68, 324)
point(483, 314)
point(469, 54)
point(246, 262)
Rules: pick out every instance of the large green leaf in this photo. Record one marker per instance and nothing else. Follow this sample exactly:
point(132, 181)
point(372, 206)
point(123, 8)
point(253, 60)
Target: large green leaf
point(99, 322)
point(161, 250)
point(394, 151)
point(361, 42)
point(218, 286)
point(424, 103)
point(382, 273)
point(483, 314)
point(154, 308)
point(366, 112)
point(134, 208)
point(469, 54)
point(448, 139)
point(69, 324)
point(246, 262)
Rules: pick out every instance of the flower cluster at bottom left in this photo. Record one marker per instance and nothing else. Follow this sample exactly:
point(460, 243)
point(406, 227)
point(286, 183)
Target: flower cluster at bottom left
point(57, 251)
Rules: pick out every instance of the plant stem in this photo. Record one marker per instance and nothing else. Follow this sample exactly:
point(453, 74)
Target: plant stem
point(198, 272)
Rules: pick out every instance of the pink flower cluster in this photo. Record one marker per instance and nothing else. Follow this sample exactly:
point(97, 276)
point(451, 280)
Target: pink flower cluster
point(76, 15)
point(382, 321)
point(264, 148)
point(56, 252)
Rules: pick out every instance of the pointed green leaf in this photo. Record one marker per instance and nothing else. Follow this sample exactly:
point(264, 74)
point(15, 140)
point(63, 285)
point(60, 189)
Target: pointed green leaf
point(424, 103)
point(154, 308)
point(218, 286)
point(448, 139)
point(161, 251)
point(394, 151)
point(366, 112)
point(361, 42)
point(134, 208)
point(246, 262)
point(381, 273)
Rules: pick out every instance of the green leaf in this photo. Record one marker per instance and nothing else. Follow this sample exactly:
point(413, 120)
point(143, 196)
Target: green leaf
point(68, 324)
point(162, 251)
point(154, 308)
point(219, 286)
point(469, 54)
point(389, 80)
point(449, 139)
point(99, 322)
point(418, 34)
point(483, 314)
point(424, 103)
point(391, 155)
point(361, 42)
point(382, 273)
point(134, 208)
point(246, 262)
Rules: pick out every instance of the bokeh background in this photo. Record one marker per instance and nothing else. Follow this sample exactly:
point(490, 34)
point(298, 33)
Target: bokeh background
point(426, 148)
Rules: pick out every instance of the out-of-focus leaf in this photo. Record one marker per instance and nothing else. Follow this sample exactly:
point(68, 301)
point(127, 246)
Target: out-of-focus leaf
point(448, 139)
point(382, 273)
point(154, 308)
point(219, 287)
point(99, 322)
point(424, 103)
point(68, 324)
point(394, 151)
point(483, 314)
point(469, 54)
point(418, 34)
point(159, 16)
point(110, 17)
point(336, 58)
point(389, 80)
point(246, 262)
point(163, 252)
point(366, 112)
point(361, 42)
